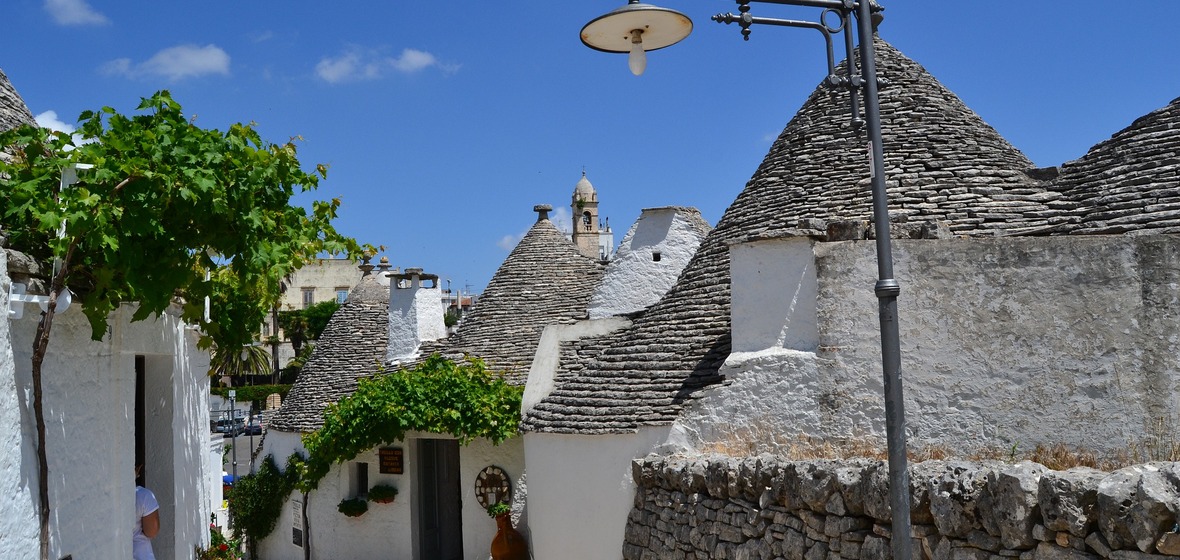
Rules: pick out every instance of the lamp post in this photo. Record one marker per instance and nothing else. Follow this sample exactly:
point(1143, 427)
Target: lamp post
point(617, 32)
point(233, 442)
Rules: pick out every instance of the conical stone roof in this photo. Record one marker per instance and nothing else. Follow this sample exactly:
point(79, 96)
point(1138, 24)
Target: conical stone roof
point(13, 111)
point(545, 280)
point(943, 163)
point(1130, 182)
point(351, 346)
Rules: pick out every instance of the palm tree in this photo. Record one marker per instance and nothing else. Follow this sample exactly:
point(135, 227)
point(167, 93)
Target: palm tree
point(235, 362)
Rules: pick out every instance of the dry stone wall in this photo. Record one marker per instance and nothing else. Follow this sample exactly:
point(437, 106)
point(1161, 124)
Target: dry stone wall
point(763, 507)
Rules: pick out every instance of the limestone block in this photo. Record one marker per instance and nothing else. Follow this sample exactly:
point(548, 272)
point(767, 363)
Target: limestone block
point(849, 476)
point(1008, 505)
point(1169, 544)
point(1155, 510)
point(817, 483)
point(1098, 544)
point(954, 495)
point(1136, 505)
point(1068, 499)
point(1050, 551)
point(875, 548)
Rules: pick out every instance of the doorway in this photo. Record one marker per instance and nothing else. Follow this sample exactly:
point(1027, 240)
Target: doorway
point(440, 507)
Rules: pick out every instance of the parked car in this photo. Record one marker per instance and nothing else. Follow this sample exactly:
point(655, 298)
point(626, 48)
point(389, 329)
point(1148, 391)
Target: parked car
point(230, 428)
point(254, 427)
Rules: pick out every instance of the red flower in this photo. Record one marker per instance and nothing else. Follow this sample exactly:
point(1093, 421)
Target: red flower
point(223, 546)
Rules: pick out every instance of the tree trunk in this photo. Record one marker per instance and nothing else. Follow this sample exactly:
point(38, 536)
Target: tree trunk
point(40, 343)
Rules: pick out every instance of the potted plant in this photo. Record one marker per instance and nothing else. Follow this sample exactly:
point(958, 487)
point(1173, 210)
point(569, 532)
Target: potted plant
point(353, 507)
point(499, 508)
point(382, 493)
point(508, 544)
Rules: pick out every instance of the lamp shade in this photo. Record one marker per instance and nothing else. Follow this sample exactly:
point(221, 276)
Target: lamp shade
point(660, 28)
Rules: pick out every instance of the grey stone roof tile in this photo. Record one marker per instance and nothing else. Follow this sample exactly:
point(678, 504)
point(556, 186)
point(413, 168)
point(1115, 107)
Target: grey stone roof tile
point(13, 111)
point(1129, 183)
point(544, 281)
point(351, 346)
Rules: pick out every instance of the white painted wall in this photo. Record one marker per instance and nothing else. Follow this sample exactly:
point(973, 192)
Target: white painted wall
point(774, 295)
point(216, 489)
point(633, 279)
point(388, 530)
point(1004, 341)
point(415, 315)
point(89, 412)
point(18, 487)
point(478, 528)
point(581, 490)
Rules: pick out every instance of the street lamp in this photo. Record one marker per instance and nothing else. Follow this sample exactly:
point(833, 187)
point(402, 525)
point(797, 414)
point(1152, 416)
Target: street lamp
point(865, 14)
point(635, 29)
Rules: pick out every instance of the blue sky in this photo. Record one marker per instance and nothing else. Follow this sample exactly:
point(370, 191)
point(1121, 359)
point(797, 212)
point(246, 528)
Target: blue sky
point(443, 123)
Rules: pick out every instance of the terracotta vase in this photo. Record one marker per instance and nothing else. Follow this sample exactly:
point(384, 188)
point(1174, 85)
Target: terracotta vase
point(508, 544)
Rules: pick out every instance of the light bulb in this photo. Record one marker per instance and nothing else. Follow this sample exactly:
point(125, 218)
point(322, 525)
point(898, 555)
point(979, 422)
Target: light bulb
point(637, 60)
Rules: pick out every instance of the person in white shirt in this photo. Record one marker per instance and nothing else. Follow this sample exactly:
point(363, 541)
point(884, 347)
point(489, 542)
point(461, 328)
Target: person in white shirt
point(147, 521)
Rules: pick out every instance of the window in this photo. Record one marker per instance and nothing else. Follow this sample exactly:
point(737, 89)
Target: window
point(655, 256)
point(341, 295)
point(308, 297)
point(361, 480)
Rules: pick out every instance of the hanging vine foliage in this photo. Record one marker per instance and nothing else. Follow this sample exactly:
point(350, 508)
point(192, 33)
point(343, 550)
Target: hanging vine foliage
point(438, 396)
point(256, 500)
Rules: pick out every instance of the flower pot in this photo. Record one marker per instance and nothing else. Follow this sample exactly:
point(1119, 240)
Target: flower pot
point(508, 544)
point(388, 500)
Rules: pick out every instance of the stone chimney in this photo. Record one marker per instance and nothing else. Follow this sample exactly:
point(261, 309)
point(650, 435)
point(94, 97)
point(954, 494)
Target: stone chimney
point(415, 313)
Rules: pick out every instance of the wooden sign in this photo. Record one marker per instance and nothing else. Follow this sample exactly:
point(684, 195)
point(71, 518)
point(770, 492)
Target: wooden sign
point(391, 460)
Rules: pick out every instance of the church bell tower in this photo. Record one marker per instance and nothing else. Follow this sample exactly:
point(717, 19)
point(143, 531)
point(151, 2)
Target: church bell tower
point(584, 213)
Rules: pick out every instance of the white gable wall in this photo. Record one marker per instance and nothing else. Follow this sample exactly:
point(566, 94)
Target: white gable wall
point(634, 279)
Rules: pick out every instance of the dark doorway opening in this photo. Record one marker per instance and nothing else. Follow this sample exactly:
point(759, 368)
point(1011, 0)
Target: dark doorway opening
point(140, 445)
point(440, 507)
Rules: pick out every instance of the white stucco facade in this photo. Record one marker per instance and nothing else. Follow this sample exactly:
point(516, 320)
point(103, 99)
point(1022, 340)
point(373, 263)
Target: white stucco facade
point(415, 315)
point(650, 258)
point(1005, 341)
point(389, 530)
point(581, 490)
point(89, 402)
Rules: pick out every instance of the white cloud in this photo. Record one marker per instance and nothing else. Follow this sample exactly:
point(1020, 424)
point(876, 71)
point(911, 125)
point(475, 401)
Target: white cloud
point(358, 64)
point(174, 63)
point(49, 120)
point(561, 218)
point(508, 242)
point(413, 60)
point(74, 12)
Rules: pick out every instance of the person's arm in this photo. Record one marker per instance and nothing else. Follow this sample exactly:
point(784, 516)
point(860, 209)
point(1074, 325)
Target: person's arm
point(151, 524)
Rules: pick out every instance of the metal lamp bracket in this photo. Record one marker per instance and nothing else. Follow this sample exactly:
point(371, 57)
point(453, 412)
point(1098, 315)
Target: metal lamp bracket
point(18, 296)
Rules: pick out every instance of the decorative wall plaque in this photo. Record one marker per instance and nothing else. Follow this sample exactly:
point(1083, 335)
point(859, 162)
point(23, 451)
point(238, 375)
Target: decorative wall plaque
point(391, 460)
point(493, 486)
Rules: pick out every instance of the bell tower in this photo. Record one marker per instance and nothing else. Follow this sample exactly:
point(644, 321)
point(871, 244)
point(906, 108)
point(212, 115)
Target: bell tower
point(584, 213)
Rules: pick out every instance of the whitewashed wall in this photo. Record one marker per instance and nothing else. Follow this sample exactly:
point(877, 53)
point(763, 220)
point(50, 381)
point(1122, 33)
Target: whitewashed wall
point(89, 411)
point(415, 315)
point(387, 530)
point(580, 491)
point(1004, 341)
point(634, 279)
